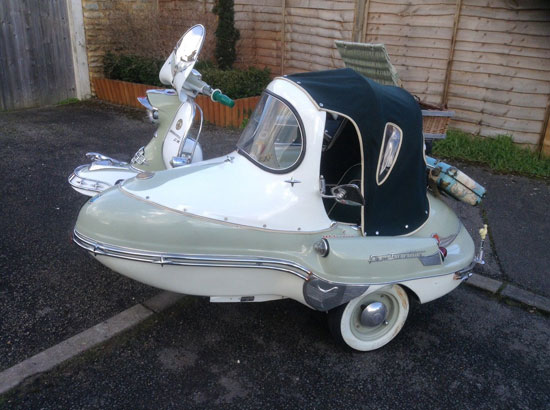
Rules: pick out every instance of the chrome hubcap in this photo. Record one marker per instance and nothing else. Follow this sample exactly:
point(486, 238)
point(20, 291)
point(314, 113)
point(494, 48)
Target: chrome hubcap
point(373, 314)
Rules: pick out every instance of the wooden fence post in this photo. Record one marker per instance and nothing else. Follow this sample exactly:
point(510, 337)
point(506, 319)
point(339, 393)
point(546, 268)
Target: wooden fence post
point(544, 144)
point(445, 95)
point(360, 17)
point(359, 20)
point(365, 21)
point(283, 35)
point(78, 44)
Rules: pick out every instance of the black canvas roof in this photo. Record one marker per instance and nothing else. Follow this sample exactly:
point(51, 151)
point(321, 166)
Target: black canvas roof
point(399, 205)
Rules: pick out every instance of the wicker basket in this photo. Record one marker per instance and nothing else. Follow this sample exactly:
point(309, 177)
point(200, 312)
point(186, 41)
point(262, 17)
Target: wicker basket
point(435, 124)
point(435, 120)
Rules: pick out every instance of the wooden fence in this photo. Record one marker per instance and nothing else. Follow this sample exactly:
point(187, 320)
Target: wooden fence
point(120, 92)
point(36, 60)
point(488, 60)
point(124, 93)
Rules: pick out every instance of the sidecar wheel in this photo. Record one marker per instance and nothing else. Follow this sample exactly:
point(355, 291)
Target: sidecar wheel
point(370, 321)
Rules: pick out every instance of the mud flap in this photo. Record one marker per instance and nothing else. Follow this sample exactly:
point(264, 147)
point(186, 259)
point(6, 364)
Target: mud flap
point(324, 296)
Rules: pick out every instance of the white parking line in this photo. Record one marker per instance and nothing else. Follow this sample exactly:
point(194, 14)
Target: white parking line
point(55, 355)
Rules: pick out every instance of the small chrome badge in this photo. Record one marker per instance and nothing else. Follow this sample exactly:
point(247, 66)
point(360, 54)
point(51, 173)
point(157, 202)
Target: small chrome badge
point(179, 124)
point(395, 256)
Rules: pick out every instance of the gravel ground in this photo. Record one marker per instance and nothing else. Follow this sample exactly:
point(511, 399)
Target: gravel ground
point(463, 351)
point(49, 288)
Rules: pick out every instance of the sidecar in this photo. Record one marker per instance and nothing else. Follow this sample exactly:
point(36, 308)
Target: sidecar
point(324, 201)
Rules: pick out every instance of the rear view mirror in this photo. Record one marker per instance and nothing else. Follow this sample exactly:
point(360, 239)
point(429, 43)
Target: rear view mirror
point(181, 61)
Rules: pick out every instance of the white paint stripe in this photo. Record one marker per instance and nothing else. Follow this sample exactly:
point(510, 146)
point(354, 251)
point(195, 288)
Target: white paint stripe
point(52, 357)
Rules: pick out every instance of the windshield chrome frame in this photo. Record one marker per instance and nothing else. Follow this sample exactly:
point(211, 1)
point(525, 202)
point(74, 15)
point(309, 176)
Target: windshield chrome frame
point(302, 132)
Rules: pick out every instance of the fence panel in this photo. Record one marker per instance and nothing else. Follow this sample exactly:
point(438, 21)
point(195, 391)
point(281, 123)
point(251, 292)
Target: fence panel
point(36, 63)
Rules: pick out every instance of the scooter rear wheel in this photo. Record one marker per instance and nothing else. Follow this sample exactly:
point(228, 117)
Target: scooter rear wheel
point(372, 320)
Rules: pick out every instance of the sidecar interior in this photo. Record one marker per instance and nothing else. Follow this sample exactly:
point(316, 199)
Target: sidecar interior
point(372, 138)
point(340, 165)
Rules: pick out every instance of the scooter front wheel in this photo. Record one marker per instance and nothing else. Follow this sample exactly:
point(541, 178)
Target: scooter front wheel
point(372, 320)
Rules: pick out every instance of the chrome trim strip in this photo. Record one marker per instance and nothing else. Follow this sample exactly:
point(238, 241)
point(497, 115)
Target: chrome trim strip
point(225, 261)
point(198, 133)
point(161, 91)
point(450, 239)
point(158, 258)
point(404, 280)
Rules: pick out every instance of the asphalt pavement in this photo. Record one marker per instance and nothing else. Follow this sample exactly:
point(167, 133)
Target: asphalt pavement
point(463, 351)
point(517, 210)
point(468, 349)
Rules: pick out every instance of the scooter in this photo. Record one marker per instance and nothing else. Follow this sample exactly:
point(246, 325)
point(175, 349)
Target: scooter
point(325, 200)
point(175, 142)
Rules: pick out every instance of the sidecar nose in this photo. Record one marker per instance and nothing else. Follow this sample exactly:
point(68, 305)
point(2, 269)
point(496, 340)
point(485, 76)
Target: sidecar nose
point(117, 218)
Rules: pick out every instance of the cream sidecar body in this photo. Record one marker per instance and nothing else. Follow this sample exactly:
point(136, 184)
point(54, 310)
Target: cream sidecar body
point(324, 201)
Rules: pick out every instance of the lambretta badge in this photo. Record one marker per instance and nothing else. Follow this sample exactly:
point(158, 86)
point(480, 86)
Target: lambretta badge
point(179, 124)
point(395, 256)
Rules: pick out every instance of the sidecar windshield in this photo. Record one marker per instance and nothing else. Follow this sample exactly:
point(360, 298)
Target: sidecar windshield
point(272, 138)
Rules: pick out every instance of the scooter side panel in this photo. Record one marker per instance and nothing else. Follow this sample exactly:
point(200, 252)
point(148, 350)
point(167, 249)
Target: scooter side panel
point(167, 106)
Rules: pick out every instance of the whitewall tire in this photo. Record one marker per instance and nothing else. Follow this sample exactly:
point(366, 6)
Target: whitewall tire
point(372, 320)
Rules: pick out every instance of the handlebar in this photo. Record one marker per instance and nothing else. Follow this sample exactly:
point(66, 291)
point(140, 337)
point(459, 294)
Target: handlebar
point(194, 85)
point(217, 96)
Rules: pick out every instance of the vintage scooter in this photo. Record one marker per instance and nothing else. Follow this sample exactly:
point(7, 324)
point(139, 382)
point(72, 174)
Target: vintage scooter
point(325, 200)
point(175, 142)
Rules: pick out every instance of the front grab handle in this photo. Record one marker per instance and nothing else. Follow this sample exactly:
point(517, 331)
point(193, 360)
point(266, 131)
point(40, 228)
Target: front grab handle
point(217, 96)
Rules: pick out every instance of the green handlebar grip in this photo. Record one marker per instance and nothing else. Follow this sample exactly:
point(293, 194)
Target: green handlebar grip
point(223, 99)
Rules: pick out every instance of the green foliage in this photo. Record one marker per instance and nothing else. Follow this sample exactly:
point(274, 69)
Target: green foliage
point(226, 34)
point(499, 153)
point(235, 83)
point(68, 101)
point(143, 70)
point(132, 68)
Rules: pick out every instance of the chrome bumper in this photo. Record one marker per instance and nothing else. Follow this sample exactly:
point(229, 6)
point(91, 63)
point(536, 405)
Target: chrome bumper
point(466, 273)
point(86, 184)
point(103, 173)
point(180, 259)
